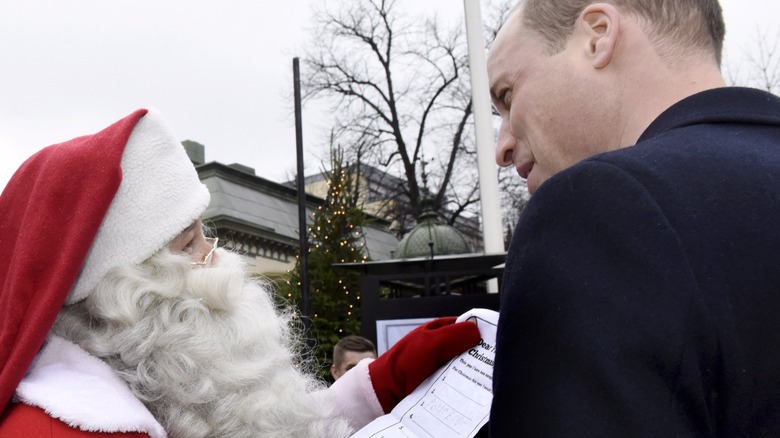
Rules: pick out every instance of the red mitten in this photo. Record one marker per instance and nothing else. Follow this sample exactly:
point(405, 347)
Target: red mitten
point(397, 372)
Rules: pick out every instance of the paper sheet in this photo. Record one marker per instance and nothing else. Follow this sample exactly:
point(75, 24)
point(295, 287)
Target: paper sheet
point(454, 401)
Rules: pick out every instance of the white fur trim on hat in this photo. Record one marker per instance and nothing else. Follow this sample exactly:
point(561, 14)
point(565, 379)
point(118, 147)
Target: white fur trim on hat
point(159, 196)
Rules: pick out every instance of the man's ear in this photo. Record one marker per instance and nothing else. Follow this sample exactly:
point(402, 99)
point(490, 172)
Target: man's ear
point(599, 24)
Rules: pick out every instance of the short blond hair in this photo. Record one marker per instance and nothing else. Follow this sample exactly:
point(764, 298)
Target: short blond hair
point(678, 23)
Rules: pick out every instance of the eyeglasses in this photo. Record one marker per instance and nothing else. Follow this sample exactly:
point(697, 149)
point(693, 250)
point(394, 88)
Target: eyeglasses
point(207, 258)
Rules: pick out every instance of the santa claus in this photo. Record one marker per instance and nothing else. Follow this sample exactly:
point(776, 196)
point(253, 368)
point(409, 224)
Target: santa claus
point(119, 316)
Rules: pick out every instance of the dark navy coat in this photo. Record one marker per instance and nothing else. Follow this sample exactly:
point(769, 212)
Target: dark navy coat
point(641, 295)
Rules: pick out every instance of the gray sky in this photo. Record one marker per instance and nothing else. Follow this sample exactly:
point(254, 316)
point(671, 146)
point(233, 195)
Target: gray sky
point(219, 71)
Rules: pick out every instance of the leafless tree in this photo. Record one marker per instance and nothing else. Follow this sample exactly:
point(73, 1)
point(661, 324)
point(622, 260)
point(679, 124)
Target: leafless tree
point(765, 62)
point(761, 68)
point(400, 96)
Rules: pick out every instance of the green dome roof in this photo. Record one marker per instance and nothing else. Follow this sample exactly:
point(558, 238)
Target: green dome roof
point(431, 237)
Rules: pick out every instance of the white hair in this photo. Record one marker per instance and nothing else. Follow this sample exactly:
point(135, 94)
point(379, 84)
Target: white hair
point(206, 350)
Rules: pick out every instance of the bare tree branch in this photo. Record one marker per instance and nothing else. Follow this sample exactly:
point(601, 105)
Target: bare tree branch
point(762, 66)
point(399, 91)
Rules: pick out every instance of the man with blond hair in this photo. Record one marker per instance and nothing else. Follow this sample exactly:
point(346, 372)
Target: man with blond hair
point(640, 294)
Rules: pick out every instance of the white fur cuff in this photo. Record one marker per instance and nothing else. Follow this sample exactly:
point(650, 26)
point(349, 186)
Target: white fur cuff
point(353, 396)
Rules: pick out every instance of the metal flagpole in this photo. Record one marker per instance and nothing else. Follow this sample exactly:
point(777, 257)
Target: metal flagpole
point(488, 172)
point(302, 233)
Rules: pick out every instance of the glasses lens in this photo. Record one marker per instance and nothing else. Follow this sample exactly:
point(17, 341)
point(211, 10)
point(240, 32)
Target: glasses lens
point(207, 258)
point(213, 242)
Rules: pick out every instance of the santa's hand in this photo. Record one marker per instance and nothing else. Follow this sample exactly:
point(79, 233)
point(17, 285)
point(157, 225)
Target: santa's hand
point(398, 371)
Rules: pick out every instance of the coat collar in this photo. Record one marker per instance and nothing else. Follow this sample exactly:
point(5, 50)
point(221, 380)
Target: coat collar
point(719, 105)
point(83, 392)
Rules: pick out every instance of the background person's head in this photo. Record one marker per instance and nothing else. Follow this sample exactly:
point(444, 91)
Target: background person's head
point(348, 352)
point(573, 78)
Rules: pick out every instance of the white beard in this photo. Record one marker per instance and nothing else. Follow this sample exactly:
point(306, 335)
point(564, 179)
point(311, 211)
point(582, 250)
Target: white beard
point(206, 350)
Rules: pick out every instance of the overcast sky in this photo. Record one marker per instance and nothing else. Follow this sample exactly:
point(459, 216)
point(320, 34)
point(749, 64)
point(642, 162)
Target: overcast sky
point(219, 71)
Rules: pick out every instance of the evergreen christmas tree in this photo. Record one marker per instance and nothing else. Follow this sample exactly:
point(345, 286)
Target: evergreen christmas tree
point(335, 236)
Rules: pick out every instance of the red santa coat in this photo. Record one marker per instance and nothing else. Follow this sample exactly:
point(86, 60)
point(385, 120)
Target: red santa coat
point(21, 420)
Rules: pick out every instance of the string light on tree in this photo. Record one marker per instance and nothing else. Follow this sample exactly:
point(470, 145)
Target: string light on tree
point(335, 236)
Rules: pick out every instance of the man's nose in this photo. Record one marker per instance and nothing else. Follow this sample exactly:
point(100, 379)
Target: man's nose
point(505, 145)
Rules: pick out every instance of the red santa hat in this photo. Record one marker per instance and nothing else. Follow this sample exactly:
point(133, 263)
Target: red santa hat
point(75, 210)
